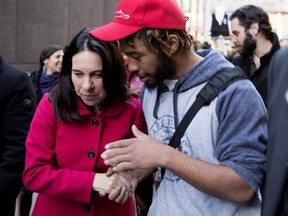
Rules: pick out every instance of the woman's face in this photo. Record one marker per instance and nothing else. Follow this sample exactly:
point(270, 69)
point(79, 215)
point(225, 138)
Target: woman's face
point(87, 77)
point(54, 62)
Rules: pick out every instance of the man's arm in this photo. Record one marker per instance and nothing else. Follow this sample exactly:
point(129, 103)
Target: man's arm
point(146, 152)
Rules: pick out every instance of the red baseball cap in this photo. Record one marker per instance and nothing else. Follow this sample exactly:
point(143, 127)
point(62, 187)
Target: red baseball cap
point(133, 15)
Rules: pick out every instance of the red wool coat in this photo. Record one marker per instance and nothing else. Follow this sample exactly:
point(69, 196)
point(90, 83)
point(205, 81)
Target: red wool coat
point(62, 159)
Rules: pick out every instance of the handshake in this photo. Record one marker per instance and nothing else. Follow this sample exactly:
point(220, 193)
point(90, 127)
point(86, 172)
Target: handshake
point(130, 161)
point(119, 186)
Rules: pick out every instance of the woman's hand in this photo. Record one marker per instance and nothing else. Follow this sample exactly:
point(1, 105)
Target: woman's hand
point(117, 187)
point(134, 176)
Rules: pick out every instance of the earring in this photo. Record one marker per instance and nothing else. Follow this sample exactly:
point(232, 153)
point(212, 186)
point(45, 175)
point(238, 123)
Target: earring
point(44, 69)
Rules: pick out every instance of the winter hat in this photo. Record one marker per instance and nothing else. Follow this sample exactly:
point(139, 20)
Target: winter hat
point(133, 15)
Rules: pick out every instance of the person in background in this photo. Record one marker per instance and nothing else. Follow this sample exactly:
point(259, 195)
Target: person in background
point(231, 54)
point(90, 107)
point(17, 106)
point(46, 77)
point(283, 42)
point(196, 44)
point(256, 43)
point(220, 162)
point(275, 199)
point(205, 45)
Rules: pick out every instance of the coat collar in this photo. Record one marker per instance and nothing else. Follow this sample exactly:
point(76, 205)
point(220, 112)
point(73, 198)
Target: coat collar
point(112, 111)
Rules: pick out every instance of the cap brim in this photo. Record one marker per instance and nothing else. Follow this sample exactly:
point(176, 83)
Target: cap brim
point(113, 31)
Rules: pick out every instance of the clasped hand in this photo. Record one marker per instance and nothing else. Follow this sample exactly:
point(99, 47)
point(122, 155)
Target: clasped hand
point(131, 160)
point(118, 186)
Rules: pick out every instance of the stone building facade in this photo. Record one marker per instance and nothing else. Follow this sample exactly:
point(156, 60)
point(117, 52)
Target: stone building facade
point(27, 26)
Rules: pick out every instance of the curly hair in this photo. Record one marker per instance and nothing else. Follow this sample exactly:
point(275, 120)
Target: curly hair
point(156, 40)
point(250, 14)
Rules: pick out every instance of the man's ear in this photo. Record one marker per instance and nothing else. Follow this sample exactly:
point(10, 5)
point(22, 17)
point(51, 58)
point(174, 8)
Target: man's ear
point(254, 28)
point(173, 43)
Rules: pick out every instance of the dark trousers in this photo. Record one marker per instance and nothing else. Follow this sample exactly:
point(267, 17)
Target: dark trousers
point(25, 202)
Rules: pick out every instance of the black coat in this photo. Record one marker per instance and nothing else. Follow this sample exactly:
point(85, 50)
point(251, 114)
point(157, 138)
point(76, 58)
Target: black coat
point(17, 106)
point(259, 76)
point(275, 199)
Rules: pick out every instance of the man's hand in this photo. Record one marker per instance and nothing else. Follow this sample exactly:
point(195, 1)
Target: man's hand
point(140, 152)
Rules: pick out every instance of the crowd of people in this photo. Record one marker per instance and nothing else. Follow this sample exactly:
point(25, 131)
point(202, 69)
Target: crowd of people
point(90, 130)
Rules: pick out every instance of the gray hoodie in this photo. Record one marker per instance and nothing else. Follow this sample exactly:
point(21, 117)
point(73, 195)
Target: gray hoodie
point(231, 131)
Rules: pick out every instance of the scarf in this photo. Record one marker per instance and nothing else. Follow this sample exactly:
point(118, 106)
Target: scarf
point(46, 83)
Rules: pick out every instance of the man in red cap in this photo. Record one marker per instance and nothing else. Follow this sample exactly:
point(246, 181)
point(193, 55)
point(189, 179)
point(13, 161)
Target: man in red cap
point(220, 162)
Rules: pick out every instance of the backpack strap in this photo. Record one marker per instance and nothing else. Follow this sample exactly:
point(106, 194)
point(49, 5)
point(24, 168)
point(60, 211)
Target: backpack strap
point(213, 87)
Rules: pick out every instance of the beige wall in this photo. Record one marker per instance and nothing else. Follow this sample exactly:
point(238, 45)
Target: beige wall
point(26, 26)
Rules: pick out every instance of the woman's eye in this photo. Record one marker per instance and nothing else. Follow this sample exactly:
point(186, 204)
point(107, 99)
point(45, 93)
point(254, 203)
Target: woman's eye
point(98, 74)
point(77, 74)
point(135, 56)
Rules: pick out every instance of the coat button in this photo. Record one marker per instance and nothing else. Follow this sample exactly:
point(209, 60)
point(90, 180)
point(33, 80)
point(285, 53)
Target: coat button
point(95, 123)
point(87, 208)
point(91, 154)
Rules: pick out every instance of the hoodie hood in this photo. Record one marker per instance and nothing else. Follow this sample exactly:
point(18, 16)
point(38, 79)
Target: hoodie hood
point(212, 63)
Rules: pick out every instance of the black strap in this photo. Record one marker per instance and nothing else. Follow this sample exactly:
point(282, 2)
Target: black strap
point(216, 84)
point(260, 78)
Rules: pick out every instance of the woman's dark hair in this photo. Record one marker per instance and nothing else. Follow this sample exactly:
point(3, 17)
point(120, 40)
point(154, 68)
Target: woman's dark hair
point(250, 14)
point(64, 97)
point(47, 52)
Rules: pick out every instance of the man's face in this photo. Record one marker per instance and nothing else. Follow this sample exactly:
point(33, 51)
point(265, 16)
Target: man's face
point(152, 69)
point(243, 40)
point(249, 45)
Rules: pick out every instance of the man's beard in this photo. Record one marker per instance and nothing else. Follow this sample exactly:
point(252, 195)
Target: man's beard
point(165, 68)
point(249, 45)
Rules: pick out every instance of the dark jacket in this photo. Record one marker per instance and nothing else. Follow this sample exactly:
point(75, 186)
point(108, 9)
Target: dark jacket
point(275, 199)
point(17, 106)
point(35, 77)
point(259, 76)
point(43, 83)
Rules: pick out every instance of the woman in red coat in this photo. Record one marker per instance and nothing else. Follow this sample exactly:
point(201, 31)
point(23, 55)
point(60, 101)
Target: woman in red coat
point(89, 108)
